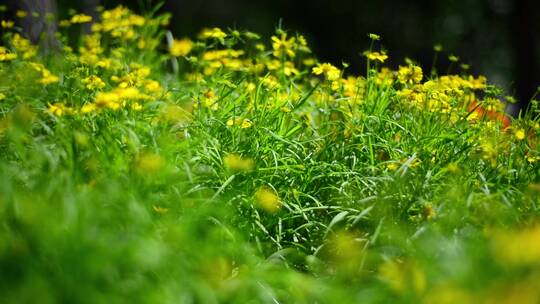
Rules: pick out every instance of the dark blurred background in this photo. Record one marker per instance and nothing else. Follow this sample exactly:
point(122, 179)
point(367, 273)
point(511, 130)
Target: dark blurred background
point(498, 38)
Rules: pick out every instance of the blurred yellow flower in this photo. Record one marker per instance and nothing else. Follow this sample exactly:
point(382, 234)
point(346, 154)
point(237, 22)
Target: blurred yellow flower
point(149, 163)
point(7, 24)
point(21, 14)
point(403, 276)
point(410, 74)
point(235, 162)
point(5, 55)
point(267, 199)
point(376, 56)
point(160, 210)
point(520, 134)
point(374, 36)
point(521, 247)
point(246, 123)
point(64, 23)
point(181, 47)
point(59, 109)
point(392, 166)
point(453, 58)
point(81, 18)
point(93, 82)
point(283, 46)
point(107, 99)
point(46, 76)
point(215, 33)
point(88, 108)
point(136, 106)
point(330, 72)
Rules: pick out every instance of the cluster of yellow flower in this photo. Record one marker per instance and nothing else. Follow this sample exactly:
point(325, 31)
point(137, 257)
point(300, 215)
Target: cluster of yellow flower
point(114, 81)
point(181, 47)
point(46, 76)
point(213, 33)
point(449, 94)
point(119, 22)
point(106, 67)
point(5, 55)
point(23, 46)
point(19, 14)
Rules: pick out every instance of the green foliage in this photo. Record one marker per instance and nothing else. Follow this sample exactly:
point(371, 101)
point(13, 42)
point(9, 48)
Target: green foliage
point(138, 167)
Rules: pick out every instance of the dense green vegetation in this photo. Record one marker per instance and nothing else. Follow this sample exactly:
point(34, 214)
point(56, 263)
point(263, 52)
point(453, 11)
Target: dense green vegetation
point(138, 167)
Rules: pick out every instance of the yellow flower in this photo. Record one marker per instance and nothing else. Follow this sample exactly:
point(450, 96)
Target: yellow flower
point(149, 163)
point(5, 55)
point(260, 47)
point(246, 123)
point(345, 252)
point(231, 122)
point(354, 88)
point(302, 40)
point(88, 108)
point(453, 168)
point(520, 134)
point(533, 159)
point(64, 23)
point(283, 46)
point(153, 86)
point(376, 56)
point(104, 63)
point(330, 72)
point(308, 62)
point(7, 24)
point(478, 83)
point(108, 99)
point(289, 69)
point(403, 276)
point(235, 162)
point(21, 14)
point(119, 22)
point(270, 82)
point(46, 76)
point(93, 82)
point(181, 47)
point(453, 58)
point(267, 199)
point(209, 100)
point(521, 247)
point(81, 18)
point(393, 166)
point(129, 93)
point(160, 210)
point(410, 75)
point(215, 33)
point(385, 77)
point(374, 36)
point(2, 96)
point(48, 79)
point(136, 106)
point(59, 109)
point(24, 46)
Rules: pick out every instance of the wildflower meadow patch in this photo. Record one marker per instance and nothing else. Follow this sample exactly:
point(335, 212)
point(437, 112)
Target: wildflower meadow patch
point(229, 168)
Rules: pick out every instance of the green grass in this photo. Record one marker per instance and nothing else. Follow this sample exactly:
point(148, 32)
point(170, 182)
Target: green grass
point(238, 181)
